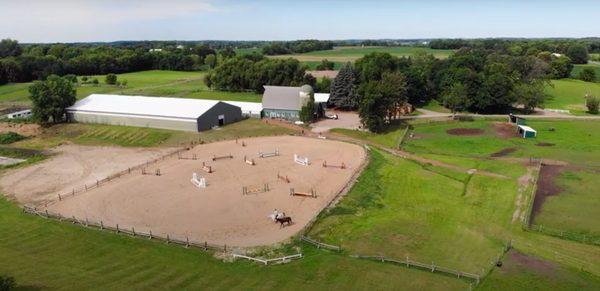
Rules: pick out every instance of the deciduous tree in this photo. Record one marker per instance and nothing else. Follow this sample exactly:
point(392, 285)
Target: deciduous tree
point(50, 99)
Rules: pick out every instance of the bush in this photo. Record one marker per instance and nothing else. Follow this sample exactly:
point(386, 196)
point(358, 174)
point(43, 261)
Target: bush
point(588, 75)
point(111, 79)
point(592, 103)
point(95, 81)
point(10, 137)
point(71, 78)
point(7, 283)
point(84, 78)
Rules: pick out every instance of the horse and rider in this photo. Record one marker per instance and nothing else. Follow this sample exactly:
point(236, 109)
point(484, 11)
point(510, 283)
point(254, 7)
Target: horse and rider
point(281, 218)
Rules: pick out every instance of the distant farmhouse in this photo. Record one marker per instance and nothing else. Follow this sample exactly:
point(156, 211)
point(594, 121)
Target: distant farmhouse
point(286, 102)
point(157, 112)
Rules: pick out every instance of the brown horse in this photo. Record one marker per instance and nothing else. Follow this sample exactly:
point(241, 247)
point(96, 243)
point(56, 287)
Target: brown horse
point(282, 220)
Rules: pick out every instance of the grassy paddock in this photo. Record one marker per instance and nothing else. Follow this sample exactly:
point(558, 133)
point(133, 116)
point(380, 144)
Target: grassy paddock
point(578, 68)
point(575, 209)
point(442, 222)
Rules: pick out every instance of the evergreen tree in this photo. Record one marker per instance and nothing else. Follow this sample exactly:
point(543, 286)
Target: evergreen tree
point(343, 89)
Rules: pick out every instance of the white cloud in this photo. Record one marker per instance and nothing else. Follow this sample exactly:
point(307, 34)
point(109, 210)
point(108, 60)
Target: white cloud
point(72, 20)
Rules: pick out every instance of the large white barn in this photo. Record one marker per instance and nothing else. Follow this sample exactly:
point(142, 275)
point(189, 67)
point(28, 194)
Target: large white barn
point(157, 112)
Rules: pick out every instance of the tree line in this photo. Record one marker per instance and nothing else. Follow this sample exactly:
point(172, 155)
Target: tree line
point(252, 72)
point(296, 47)
point(473, 79)
point(24, 63)
point(576, 49)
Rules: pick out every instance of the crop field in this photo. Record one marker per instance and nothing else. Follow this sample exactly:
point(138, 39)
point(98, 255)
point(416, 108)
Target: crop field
point(351, 54)
point(569, 94)
point(149, 83)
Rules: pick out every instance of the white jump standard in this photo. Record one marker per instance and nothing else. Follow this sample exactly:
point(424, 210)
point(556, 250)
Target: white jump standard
point(198, 181)
point(301, 160)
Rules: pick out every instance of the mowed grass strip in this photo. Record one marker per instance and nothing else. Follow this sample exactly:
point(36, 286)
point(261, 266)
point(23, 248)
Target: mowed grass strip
point(48, 254)
point(352, 53)
point(398, 208)
point(128, 136)
point(575, 208)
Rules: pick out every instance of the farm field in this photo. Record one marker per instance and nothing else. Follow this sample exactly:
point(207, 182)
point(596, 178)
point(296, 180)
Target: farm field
point(569, 94)
point(351, 54)
point(150, 83)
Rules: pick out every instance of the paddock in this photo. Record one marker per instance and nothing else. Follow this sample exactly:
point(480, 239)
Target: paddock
point(170, 205)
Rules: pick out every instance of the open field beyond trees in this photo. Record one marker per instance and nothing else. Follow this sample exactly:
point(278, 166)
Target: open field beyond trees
point(351, 54)
point(148, 83)
point(569, 94)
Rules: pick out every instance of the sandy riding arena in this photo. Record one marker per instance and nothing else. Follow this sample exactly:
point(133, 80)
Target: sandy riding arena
point(165, 201)
point(71, 166)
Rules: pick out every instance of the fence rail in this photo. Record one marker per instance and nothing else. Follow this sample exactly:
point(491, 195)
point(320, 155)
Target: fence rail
point(564, 234)
point(536, 174)
point(280, 260)
point(320, 245)
point(430, 267)
point(130, 231)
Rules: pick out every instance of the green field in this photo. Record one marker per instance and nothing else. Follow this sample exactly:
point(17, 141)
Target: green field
point(525, 272)
point(575, 208)
point(46, 254)
point(313, 65)
point(569, 94)
point(386, 215)
point(576, 142)
point(149, 83)
point(578, 68)
point(351, 54)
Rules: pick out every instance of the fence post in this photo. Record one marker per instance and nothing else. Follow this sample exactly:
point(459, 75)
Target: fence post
point(407, 262)
point(87, 223)
point(133, 230)
point(150, 234)
point(168, 239)
point(59, 198)
point(101, 225)
point(47, 213)
point(187, 241)
point(117, 228)
point(205, 245)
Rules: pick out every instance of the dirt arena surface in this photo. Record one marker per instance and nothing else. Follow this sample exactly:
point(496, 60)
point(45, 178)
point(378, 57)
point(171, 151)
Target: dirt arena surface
point(71, 166)
point(546, 186)
point(221, 214)
point(465, 131)
point(25, 129)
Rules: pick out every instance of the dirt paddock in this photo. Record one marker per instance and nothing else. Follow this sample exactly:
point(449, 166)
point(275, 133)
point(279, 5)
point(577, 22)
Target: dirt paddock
point(220, 213)
point(465, 131)
point(546, 186)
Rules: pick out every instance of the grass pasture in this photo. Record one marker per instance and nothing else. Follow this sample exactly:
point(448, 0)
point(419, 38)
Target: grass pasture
point(569, 94)
point(576, 142)
point(446, 221)
point(350, 54)
point(150, 83)
point(575, 208)
point(526, 272)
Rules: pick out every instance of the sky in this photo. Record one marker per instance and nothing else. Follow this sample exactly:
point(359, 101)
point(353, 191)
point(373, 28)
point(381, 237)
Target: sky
point(112, 20)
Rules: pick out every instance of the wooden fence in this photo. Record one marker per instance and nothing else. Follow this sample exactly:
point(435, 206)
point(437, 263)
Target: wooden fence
point(321, 245)
point(281, 260)
point(565, 234)
point(114, 176)
point(429, 267)
point(131, 231)
point(403, 137)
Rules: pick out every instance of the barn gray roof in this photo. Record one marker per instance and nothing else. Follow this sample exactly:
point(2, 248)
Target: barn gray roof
point(284, 98)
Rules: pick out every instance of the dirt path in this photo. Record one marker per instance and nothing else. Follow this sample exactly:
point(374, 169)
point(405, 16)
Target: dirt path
point(521, 200)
